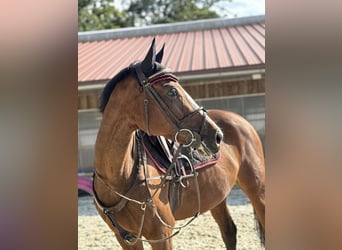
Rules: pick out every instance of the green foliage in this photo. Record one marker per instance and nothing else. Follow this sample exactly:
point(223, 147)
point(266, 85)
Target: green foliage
point(190, 11)
point(98, 15)
point(102, 14)
point(144, 12)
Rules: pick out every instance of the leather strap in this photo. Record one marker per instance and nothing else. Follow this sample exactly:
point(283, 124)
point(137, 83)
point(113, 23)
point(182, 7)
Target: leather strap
point(140, 74)
point(146, 84)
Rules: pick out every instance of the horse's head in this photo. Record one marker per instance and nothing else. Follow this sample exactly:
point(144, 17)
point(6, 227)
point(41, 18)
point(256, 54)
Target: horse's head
point(163, 108)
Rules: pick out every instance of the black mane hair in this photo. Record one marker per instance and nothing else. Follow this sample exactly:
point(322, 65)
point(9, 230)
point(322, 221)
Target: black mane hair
point(108, 89)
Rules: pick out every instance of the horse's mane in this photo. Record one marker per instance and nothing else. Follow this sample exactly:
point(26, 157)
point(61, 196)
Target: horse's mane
point(108, 89)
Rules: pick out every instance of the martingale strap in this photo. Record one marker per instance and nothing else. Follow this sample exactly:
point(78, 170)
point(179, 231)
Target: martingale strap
point(130, 238)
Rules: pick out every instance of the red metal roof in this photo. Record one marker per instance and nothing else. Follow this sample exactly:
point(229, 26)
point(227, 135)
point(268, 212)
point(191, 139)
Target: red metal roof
point(218, 48)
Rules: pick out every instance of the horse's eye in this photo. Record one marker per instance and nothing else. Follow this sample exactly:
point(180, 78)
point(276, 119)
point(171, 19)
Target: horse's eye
point(173, 92)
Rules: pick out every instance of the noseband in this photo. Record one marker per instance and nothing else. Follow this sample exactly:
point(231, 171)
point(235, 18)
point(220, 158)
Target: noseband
point(185, 137)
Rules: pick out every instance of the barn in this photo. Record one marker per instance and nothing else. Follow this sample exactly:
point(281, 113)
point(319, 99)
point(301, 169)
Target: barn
point(220, 62)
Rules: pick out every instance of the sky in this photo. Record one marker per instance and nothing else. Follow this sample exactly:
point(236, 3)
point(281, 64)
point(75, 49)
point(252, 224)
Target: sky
point(241, 8)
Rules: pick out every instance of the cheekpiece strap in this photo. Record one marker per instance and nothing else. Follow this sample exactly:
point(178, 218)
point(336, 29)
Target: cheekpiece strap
point(140, 74)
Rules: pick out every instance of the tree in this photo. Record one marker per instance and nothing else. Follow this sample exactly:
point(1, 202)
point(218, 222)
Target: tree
point(144, 12)
point(98, 15)
point(102, 14)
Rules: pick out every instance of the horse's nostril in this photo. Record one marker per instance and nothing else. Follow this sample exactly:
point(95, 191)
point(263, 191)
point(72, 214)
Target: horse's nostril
point(219, 137)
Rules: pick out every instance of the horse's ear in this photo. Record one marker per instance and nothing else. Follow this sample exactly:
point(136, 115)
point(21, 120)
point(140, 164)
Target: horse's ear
point(159, 56)
point(150, 58)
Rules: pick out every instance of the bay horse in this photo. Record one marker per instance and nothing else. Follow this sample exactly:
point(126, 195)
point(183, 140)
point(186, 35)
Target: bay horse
point(132, 195)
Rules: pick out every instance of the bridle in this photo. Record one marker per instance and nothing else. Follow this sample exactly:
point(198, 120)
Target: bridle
point(186, 137)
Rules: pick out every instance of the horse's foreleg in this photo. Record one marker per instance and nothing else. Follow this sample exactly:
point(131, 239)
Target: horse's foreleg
point(226, 224)
point(164, 245)
point(160, 240)
point(137, 246)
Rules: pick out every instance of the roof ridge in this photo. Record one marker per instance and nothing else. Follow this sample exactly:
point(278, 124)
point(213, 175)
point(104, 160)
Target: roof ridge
point(167, 28)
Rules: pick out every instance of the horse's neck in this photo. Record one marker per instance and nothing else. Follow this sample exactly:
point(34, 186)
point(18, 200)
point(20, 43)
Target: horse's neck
point(113, 151)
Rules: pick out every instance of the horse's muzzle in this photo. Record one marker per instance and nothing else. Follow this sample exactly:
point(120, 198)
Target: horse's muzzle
point(212, 141)
point(214, 146)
